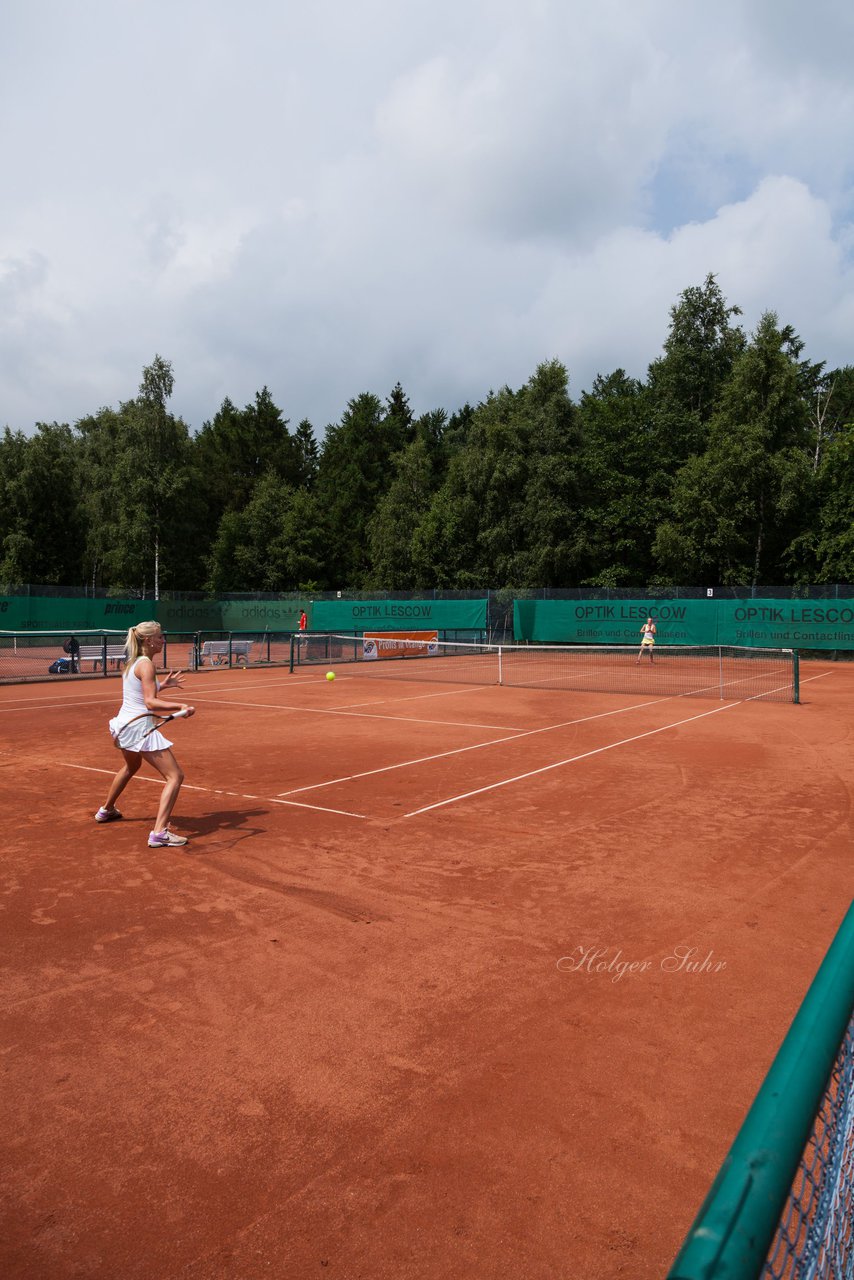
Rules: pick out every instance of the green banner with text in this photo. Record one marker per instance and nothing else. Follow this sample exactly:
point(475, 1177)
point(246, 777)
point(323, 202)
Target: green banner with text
point(46, 613)
point(754, 623)
point(183, 617)
point(774, 623)
point(49, 613)
point(394, 615)
point(228, 615)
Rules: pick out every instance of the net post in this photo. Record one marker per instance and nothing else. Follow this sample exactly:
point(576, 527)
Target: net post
point(500, 666)
point(104, 651)
point(796, 676)
point(291, 655)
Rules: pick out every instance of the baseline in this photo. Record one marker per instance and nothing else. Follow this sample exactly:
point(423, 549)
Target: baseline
point(220, 791)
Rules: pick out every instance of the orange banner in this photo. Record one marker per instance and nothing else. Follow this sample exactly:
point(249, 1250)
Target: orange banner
point(399, 644)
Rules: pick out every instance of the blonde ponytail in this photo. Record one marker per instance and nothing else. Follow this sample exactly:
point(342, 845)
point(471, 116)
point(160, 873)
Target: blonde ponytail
point(133, 644)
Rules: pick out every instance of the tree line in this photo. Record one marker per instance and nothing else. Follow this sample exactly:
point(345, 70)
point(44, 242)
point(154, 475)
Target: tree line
point(731, 463)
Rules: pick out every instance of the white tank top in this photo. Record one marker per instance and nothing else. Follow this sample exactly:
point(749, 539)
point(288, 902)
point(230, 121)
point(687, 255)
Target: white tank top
point(135, 737)
point(133, 701)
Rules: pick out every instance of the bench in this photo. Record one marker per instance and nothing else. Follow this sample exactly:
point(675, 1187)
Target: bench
point(216, 651)
point(94, 653)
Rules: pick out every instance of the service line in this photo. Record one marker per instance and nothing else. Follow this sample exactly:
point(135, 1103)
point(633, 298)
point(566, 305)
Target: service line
point(559, 764)
point(356, 715)
point(512, 736)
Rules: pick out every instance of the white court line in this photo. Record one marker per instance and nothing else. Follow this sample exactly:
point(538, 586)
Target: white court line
point(34, 704)
point(296, 804)
point(514, 734)
point(440, 804)
point(477, 746)
point(356, 715)
point(217, 791)
point(394, 702)
point(597, 751)
point(456, 724)
point(30, 703)
point(419, 697)
point(521, 777)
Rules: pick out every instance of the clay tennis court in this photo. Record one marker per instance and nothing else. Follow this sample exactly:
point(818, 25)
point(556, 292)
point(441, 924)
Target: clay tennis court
point(377, 1020)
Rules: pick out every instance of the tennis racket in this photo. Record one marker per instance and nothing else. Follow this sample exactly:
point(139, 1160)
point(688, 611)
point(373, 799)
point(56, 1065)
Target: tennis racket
point(159, 720)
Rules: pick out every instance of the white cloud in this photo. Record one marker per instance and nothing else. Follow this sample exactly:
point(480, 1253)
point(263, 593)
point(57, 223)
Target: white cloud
point(774, 251)
point(329, 198)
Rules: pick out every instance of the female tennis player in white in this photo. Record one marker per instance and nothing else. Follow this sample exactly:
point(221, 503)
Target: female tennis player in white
point(129, 729)
point(648, 641)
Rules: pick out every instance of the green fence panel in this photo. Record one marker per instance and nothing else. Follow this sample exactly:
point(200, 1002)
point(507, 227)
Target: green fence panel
point(754, 623)
point(772, 623)
point(260, 615)
point(787, 624)
point(47, 613)
point(188, 616)
point(742, 1212)
point(228, 615)
point(614, 621)
point(397, 615)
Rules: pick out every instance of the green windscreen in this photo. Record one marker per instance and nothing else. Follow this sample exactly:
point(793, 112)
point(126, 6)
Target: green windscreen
point(772, 624)
point(397, 615)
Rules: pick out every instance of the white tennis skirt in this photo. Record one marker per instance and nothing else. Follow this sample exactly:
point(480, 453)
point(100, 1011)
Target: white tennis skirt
point(130, 737)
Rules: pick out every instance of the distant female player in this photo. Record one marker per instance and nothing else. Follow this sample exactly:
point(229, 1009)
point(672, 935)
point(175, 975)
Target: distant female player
point(647, 639)
point(142, 691)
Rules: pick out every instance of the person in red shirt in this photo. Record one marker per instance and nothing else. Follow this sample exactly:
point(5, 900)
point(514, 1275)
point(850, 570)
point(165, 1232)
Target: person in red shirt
point(303, 620)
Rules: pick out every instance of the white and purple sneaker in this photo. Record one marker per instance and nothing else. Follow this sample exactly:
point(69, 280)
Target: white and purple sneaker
point(107, 815)
point(165, 840)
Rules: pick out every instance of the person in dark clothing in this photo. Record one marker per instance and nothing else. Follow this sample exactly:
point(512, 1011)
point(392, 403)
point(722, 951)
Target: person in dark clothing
point(72, 648)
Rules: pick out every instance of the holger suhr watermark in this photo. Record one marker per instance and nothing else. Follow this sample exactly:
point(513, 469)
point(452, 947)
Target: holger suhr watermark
point(610, 962)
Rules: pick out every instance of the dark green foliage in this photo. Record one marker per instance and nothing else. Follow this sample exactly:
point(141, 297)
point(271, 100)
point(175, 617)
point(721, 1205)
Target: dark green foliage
point(625, 490)
point(394, 563)
point(737, 506)
point(509, 507)
point(138, 500)
point(274, 544)
point(731, 463)
point(699, 354)
point(308, 454)
point(355, 470)
point(41, 519)
point(239, 446)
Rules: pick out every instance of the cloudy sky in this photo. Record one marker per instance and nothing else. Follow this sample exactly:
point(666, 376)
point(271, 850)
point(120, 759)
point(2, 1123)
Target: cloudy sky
point(332, 196)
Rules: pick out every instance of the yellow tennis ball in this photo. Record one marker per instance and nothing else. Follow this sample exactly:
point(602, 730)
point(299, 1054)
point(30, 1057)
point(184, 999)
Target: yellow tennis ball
point(330, 675)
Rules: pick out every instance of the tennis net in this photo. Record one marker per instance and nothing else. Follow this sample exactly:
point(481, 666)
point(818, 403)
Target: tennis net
point(724, 672)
